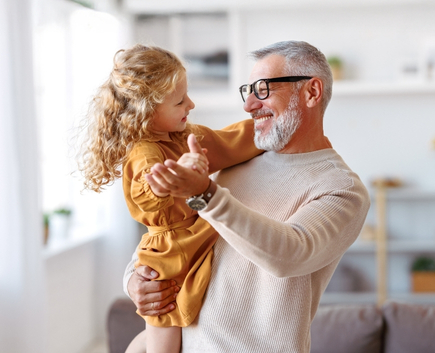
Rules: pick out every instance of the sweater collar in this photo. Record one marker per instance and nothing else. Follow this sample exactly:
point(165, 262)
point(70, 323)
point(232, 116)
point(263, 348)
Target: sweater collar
point(300, 158)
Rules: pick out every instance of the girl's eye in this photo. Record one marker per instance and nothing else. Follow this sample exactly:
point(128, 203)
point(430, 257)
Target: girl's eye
point(181, 102)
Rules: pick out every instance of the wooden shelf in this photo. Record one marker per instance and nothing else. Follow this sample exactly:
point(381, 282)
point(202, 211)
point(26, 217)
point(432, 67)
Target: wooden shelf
point(394, 246)
point(408, 194)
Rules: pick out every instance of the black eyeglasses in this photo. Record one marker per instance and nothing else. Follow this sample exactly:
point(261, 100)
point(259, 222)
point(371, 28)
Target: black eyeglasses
point(261, 87)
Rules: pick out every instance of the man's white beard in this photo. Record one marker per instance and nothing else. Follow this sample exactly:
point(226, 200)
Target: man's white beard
point(282, 130)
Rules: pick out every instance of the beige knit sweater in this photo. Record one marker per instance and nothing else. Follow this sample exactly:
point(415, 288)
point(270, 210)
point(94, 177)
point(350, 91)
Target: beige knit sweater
point(285, 220)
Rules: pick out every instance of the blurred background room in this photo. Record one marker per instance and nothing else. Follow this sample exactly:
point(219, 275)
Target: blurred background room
point(63, 252)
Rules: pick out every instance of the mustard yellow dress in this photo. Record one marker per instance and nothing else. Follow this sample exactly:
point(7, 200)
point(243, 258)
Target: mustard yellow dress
point(179, 243)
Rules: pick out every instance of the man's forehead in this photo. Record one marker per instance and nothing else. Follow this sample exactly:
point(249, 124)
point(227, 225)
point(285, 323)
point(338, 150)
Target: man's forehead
point(268, 67)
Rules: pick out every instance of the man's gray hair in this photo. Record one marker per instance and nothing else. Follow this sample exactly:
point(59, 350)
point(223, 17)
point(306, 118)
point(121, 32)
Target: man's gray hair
point(302, 60)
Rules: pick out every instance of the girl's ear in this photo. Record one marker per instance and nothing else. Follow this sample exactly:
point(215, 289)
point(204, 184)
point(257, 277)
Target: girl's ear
point(313, 92)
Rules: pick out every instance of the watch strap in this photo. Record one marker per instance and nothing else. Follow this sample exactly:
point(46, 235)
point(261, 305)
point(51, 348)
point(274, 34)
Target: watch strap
point(211, 190)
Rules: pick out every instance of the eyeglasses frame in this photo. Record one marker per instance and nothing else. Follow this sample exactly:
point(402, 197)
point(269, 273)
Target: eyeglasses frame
point(268, 80)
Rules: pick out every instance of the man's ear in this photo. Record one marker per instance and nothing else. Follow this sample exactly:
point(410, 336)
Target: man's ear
point(313, 92)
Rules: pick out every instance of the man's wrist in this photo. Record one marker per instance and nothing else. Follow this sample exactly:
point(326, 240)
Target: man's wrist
point(211, 190)
point(200, 202)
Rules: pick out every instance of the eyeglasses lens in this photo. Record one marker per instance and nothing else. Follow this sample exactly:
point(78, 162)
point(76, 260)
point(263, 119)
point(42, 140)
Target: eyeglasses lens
point(246, 91)
point(261, 89)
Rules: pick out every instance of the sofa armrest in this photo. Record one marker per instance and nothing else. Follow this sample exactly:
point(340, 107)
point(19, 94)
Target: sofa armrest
point(347, 328)
point(410, 328)
point(123, 324)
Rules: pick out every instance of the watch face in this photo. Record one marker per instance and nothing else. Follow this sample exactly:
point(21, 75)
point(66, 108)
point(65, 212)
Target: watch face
point(197, 204)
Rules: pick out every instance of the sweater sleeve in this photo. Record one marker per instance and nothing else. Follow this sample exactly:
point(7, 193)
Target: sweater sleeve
point(129, 270)
point(314, 236)
point(232, 145)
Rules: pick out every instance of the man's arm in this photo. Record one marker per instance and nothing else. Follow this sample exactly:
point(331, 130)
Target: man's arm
point(310, 239)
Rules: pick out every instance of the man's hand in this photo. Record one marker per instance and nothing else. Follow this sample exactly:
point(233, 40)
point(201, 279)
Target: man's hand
point(152, 298)
point(180, 181)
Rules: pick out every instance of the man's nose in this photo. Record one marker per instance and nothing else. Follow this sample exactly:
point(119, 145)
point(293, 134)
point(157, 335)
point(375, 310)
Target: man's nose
point(252, 103)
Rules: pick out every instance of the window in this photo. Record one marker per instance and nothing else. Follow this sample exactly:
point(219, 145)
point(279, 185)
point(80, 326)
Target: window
point(74, 48)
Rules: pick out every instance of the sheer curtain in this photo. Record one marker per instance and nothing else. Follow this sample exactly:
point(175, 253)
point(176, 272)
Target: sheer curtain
point(26, 320)
point(22, 322)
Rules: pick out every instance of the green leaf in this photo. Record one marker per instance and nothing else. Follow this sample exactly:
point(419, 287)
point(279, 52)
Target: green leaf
point(423, 264)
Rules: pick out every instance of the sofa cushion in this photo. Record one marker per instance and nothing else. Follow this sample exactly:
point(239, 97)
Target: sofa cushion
point(410, 328)
point(123, 324)
point(347, 328)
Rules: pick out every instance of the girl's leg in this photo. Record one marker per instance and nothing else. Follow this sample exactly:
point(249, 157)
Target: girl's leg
point(138, 345)
point(163, 339)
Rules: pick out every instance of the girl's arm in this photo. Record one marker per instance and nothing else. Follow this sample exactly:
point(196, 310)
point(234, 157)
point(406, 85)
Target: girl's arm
point(232, 145)
point(138, 193)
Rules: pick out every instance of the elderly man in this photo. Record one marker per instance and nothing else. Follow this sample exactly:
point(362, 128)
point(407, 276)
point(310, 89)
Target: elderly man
point(285, 218)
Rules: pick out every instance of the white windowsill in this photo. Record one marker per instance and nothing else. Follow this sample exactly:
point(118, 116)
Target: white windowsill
point(75, 239)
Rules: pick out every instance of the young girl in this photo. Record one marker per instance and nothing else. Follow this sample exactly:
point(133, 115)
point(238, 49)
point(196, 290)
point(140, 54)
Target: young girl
point(139, 118)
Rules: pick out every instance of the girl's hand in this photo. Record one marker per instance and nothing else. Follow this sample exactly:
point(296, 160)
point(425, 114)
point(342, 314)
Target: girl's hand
point(180, 181)
point(194, 161)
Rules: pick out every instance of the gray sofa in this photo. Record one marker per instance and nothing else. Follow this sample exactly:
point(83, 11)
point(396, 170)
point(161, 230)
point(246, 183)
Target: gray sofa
point(394, 328)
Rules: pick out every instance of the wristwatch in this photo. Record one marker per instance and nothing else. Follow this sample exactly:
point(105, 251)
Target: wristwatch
point(199, 202)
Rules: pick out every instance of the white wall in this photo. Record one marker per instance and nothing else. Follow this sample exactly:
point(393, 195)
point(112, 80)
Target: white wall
point(372, 40)
point(386, 135)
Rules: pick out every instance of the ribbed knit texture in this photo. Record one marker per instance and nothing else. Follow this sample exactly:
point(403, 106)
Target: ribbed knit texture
point(285, 221)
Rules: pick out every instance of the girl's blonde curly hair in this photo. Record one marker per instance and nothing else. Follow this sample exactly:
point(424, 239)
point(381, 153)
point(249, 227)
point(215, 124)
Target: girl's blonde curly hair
point(121, 113)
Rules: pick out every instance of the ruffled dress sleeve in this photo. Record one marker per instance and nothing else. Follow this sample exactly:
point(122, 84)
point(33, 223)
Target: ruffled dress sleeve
point(139, 163)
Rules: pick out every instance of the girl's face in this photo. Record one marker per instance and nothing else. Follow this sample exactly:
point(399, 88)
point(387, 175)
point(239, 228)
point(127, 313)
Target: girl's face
point(171, 115)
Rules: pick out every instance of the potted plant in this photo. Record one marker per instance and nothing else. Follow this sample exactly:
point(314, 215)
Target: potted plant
point(423, 274)
point(59, 224)
point(62, 211)
point(46, 217)
point(336, 65)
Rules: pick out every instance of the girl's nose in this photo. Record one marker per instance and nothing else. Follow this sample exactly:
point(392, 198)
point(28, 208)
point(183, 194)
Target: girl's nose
point(191, 104)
